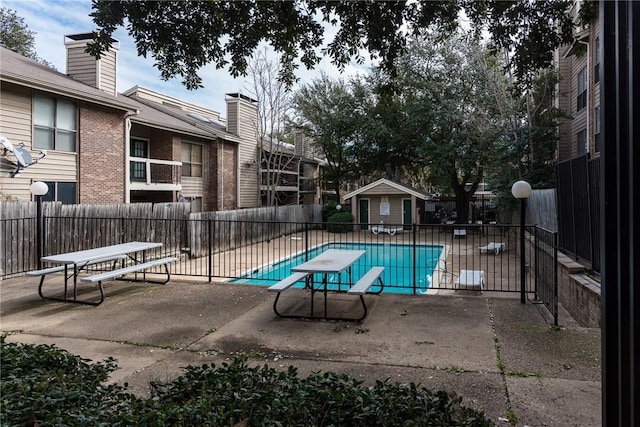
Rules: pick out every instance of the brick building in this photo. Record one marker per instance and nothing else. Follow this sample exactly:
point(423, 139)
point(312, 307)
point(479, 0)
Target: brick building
point(138, 146)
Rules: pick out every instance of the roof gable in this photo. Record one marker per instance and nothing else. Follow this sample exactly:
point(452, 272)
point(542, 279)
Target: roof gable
point(398, 186)
point(22, 71)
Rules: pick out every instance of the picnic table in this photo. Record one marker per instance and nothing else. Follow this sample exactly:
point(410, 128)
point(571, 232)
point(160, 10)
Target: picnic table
point(73, 263)
point(332, 261)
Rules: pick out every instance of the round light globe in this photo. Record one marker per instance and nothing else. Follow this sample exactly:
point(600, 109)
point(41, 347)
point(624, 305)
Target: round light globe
point(39, 188)
point(521, 190)
point(338, 207)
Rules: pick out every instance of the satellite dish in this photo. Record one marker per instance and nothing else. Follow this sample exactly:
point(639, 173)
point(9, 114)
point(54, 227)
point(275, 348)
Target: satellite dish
point(23, 157)
point(6, 144)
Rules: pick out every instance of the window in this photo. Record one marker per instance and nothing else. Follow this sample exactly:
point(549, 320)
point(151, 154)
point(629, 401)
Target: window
point(191, 159)
point(582, 141)
point(596, 68)
point(64, 192)
point(596, 120)
point(582, 89)
point(54, 124)
point(138, 170)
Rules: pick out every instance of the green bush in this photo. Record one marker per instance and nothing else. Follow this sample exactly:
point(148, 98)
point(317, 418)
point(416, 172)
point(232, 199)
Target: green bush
point(341, 222)
point(328, 210)
point(51, 386)
point(54, 387)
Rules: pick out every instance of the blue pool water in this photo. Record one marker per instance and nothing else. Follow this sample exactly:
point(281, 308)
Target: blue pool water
point(398, 260)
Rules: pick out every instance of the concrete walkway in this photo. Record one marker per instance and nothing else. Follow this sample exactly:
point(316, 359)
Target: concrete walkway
point(498, 355)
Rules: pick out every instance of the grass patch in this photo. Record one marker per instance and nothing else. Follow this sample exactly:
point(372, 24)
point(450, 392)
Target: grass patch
point(512, 418)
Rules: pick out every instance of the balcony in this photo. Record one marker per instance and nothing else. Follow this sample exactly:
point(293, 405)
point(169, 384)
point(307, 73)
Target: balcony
point(154, 174)
point(287, 182)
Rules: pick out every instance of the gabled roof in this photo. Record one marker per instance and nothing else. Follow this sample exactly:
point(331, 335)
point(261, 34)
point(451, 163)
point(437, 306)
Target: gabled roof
point(402, 188)
point(158, 115)
point(20, 70)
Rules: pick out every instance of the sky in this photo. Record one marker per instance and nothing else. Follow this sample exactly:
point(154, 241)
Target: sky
point(51, 20)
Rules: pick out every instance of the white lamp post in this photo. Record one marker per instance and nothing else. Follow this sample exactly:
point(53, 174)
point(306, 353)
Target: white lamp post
point(522, 190)
point(39, 189)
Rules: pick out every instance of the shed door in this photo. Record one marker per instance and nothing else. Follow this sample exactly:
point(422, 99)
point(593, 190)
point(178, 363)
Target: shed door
point(363, 210)
point(406, 214)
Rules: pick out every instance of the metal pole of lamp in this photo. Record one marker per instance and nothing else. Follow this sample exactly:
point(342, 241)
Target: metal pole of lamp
point(522, 190)
point(39, 189)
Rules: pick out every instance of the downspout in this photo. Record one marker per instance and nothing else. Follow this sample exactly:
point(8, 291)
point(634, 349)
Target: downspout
point(221, 207)
point(238, 176)
point(127, 155)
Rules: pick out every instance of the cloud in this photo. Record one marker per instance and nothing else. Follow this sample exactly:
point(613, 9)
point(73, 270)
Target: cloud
point(52, 20)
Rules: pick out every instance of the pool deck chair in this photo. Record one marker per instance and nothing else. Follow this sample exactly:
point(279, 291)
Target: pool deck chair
point(470, 280)
point(495, 247)
point(459, 232)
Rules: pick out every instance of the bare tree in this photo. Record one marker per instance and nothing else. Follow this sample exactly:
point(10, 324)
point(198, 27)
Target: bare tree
point(278, 164)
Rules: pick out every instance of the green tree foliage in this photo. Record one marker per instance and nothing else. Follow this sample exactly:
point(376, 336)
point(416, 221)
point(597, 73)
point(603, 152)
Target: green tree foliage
point(440, 115)
point(329, 114)
point(228, 32)
point(450, 121)
point(528, 150)
point(16, 36)
point(388, 146)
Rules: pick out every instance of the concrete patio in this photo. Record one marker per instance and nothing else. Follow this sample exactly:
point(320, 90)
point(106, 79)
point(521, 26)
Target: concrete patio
point(500, 356)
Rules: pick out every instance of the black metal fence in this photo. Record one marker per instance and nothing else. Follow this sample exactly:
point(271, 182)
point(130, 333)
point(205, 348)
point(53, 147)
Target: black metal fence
point(579, 208)
point(422, 258)
point(544, 248)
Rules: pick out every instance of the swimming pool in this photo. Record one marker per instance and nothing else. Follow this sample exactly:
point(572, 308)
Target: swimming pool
point(398, 259)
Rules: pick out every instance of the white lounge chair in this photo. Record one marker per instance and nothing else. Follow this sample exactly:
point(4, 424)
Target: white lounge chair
point(376, 229)
point(470, 280)
point(459, 232)
point(496, 247)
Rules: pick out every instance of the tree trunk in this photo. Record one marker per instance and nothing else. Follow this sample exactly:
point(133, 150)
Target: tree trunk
point(462, 206)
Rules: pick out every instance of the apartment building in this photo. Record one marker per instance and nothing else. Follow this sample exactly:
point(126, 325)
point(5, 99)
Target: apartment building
point(579, 92)
point(138, 146)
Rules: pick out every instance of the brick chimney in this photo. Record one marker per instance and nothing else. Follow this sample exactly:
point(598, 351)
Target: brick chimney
point(83, 67)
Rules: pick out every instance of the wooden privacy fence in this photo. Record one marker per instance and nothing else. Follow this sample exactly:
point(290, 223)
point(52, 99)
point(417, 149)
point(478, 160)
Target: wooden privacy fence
point(232, 229)
point(78, 227)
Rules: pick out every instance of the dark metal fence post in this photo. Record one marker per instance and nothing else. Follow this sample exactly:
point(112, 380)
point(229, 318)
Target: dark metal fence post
point(209, 247)
point(536, 250)
point(620, 243)
point(306, 240)
point(415, 258)
point(523, 277)
point(39, 230)
point(555, 278)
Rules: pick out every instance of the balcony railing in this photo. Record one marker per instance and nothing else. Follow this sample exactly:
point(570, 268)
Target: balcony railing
point(154, 174)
